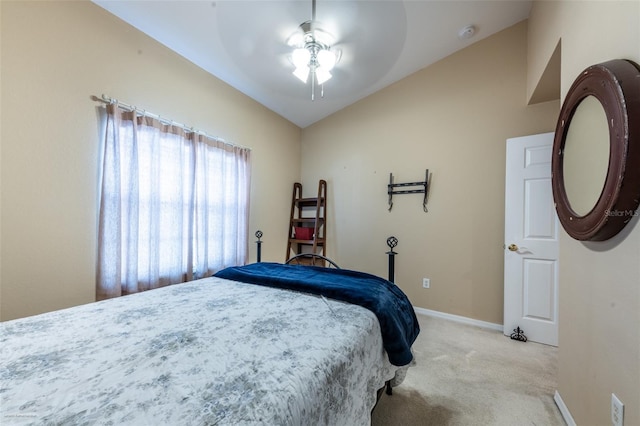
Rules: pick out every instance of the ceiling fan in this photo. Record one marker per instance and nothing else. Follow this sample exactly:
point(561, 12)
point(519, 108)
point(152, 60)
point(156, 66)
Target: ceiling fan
point(313, 53)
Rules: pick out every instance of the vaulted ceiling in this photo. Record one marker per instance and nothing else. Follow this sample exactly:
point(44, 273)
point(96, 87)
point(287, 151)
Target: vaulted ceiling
point(244, 43)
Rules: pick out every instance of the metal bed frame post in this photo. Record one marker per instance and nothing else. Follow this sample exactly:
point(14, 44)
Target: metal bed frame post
point(392, 242)
point(259, 245)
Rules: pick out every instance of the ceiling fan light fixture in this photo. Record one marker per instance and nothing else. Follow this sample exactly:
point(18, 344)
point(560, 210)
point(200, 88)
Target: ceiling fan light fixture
point(301, 57)
point(312, 54)
point(322, 37)
point(296, 39)
point(326, 59)
point(322, 75)
point(302, 73)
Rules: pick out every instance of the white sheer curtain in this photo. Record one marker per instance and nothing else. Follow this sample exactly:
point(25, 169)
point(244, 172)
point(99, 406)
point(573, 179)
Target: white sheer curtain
point(174, 205)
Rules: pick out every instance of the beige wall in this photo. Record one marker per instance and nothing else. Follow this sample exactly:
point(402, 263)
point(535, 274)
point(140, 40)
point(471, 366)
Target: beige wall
point(55, 55)
point(599, 282)
point(453, 118)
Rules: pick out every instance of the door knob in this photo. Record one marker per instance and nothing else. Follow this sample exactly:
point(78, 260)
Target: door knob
point(513, 247)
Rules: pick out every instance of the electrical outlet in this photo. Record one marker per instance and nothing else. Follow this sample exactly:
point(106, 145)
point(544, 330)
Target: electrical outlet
point(617, 411)
point(426, 283)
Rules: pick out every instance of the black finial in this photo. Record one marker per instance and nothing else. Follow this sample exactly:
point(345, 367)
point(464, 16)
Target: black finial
point(258, 234)
point(392, 242)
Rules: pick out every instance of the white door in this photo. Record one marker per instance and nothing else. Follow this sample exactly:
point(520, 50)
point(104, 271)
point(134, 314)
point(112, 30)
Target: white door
point(531, 241)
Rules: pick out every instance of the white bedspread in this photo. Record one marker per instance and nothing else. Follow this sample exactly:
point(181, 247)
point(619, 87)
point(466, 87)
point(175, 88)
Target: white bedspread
point(209, 352)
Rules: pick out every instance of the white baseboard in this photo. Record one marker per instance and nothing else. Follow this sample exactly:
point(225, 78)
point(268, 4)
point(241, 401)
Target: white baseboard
point(566, 415)
point(458, 318)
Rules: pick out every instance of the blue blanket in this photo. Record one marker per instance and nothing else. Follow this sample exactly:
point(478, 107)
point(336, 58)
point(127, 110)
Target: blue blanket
point(397, 318)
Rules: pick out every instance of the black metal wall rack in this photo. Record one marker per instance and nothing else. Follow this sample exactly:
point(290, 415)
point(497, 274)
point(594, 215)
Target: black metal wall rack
point(418, 188)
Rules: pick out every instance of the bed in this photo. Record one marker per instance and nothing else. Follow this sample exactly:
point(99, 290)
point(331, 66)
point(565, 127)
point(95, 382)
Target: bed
point(216, 351)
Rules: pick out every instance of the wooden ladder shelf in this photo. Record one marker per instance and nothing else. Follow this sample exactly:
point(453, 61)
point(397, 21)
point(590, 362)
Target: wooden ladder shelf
point(307, 222)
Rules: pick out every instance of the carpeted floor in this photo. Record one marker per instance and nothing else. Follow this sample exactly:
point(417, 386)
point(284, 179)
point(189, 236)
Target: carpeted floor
point(467, 375)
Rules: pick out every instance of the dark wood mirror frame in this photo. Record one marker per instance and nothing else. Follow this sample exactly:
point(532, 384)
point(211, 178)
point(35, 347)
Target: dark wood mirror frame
point(616, 84)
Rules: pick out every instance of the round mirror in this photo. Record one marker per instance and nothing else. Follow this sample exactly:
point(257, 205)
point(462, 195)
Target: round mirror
point(586, 155)
point(593, 205)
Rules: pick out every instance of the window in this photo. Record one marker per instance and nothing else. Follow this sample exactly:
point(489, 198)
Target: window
point(174, 205)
